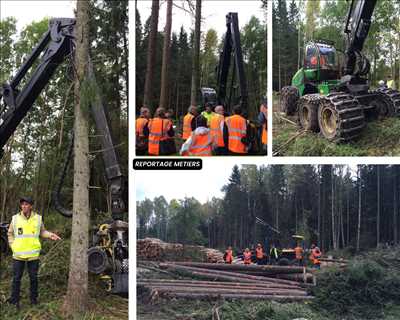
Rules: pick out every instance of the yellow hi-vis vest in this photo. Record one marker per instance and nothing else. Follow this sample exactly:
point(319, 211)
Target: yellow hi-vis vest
point(26, 245)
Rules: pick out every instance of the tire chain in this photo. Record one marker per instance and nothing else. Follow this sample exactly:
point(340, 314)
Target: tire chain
point(290, 95)
point(393, 96)
point(351, 119)
point(313, 100)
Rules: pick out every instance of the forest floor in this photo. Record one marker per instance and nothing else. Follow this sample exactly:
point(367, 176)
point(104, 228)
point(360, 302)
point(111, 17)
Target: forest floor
point(379, 138)
point(367, 289)
point(53, 280)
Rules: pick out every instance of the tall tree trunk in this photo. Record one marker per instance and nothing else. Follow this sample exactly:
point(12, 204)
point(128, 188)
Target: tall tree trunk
point(151, 54)
point(333, 209)
point(76, 300)
point(196, 56)
point(395, 205)
point(378, 212)
point(359, 209)
point(166, 57)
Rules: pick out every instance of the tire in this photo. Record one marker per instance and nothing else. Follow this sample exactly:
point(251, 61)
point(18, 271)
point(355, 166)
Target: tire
point(283, 262)
point(289, 99)
point(392, 97)
point(308, 112)
point(340, 117)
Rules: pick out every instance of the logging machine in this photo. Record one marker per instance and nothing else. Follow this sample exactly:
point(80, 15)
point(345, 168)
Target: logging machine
point(337, 102)
point(226, 70)
point(108, 252)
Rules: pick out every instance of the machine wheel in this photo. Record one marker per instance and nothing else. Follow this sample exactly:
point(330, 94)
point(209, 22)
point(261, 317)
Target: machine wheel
point(283, 262)
point(383, 107)
point(308, 111)
point(340, 117)
point(393, 96)
point(289, 98)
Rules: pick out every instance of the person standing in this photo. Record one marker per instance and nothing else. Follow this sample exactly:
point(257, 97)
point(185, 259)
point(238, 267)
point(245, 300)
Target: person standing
point(24, 234)
point(201, 143)
point(208, 113)
point(228, 256)
point(315, 256)
point(142, 140)
point(273, 254)
point(262, 120)
point(235, 133)
point(217, 130)
point(160, 131)
point(247, 256)
point(260, 254)
point(188, 122)
point(299, 254)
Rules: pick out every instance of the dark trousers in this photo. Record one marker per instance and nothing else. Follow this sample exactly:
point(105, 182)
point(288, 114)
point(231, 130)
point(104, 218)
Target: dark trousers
point(18, 271)
point(220, 151)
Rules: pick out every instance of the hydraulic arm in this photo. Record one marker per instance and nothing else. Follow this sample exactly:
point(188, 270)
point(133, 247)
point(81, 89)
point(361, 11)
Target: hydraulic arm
point(55, 46)
point(231, 45)
point(357, 27)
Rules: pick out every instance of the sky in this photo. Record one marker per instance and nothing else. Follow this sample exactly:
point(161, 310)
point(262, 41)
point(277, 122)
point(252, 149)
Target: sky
point(213, 13)
point(27, 11)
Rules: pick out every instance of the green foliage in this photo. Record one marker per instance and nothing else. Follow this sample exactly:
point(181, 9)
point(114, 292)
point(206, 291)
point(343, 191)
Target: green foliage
point(362, 290)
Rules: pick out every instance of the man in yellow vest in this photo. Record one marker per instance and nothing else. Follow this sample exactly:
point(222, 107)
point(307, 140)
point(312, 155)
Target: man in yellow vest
point(25, 229)
point(217, 130)
point(390, 83)
point(208, 113)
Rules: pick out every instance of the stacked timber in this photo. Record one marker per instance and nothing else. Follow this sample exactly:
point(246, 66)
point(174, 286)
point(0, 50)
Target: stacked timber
point(157, 250)
point(216, 284)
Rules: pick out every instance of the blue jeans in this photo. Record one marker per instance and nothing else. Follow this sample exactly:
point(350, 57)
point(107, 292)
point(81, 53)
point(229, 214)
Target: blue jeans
point(18, 271)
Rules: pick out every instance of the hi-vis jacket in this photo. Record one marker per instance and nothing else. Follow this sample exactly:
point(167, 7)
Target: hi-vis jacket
point(23, 236)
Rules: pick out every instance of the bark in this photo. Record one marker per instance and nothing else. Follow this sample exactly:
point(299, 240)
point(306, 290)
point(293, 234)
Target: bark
point(242, 267)
point(166, 57)
point(196, 56)
point(151, 54)
point(76, 300)
point(188, 295)
point(359, 209)
point(378, 212)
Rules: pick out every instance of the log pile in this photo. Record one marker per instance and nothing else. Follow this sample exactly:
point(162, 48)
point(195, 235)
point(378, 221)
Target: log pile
point(156, 250)
point(215, 281)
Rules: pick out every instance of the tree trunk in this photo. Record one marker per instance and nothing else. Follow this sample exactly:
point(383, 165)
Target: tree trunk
point(359, 209)
point(196, 56)
point(151, 54)
point(378, 212)
point(395, 206)
point(166, 57)
point(76, 300)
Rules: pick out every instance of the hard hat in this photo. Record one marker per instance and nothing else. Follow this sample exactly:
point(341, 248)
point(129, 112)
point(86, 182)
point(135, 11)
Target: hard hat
point(381, 83)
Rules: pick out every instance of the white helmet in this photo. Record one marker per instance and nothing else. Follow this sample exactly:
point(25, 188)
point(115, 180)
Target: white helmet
point(381, 83)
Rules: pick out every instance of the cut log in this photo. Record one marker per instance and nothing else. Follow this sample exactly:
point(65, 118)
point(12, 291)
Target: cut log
point(234, 276)
point(215, 284)
point(188, 295)
point(272, 292)
point(267, 269)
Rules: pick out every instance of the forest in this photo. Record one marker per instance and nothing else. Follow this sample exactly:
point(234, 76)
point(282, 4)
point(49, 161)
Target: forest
point(336, 206)
point(33, 158)
point(67, 121)
point(296, 22)
point(172, 67)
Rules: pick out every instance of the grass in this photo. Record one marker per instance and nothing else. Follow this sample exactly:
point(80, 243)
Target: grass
point(379, 138)
point(53, 278)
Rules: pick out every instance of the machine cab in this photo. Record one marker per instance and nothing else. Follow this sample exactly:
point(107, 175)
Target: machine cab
point(321, 62)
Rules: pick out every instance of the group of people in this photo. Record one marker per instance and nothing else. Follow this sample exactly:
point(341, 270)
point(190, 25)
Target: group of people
point(260, 257)
point(211, 132)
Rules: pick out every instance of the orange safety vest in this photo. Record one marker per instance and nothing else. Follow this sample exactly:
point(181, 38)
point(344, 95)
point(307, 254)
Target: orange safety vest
point(299, 253)
point(315, 255)
point(140, 124)
point(201, 145)
point(264, 136)
point(158, 129)
point(259, 253)
point(187, 126)
point(247, 257)
point(229, 256)
point(215, 129)
point(237, 130)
